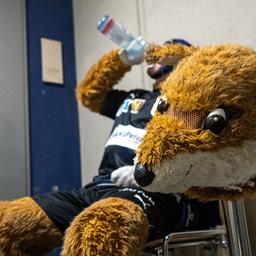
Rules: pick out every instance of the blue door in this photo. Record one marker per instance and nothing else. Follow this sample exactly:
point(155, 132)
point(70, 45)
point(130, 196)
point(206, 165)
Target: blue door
point(53, 113)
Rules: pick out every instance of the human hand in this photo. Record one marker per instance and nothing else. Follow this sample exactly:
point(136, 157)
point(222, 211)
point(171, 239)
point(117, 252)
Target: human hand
point(123, 176)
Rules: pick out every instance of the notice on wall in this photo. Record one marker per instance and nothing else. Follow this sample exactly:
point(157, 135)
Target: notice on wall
point(52, 64)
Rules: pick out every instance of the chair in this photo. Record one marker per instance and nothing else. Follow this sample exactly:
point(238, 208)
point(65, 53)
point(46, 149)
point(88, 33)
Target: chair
point(232, 236)
point(212, 239)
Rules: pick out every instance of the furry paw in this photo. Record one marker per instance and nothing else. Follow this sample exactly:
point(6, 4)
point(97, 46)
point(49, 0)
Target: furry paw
point(113, 227)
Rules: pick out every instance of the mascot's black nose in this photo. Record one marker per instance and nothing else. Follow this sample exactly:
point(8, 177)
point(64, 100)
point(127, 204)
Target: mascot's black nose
point(142, 175)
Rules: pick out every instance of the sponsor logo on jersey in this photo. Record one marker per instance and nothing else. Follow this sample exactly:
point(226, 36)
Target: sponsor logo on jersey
point(126, 136)
point(137, 105)
point(124, 107)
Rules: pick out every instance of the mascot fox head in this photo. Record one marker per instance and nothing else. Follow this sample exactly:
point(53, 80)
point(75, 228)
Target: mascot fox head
point(202, 138)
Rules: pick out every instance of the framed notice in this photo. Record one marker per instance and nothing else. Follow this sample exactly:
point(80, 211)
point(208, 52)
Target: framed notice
point(52, 64)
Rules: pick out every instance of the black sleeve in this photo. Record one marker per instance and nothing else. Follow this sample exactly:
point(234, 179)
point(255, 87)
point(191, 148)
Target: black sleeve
point(112, 102)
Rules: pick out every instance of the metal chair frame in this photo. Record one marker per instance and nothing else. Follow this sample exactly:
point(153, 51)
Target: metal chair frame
point(234, 236)
point(212, 237)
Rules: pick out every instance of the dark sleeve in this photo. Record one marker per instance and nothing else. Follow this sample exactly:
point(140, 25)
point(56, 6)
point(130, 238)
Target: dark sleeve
point(112, 102)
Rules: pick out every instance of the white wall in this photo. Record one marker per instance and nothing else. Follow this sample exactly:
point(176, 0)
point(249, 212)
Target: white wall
point(13, 111)
point(201, 22)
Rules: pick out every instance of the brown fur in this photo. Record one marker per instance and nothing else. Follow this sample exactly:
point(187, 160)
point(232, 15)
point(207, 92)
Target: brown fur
point(25, 230)
point(206, 78)
point(169, 54)
point(100, 79)
point(113, 227)
point(166, 136)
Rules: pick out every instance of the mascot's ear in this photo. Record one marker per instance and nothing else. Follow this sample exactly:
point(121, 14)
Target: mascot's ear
point(169, 54)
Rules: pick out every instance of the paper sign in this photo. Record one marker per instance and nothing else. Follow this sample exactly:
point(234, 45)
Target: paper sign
point(52, 66)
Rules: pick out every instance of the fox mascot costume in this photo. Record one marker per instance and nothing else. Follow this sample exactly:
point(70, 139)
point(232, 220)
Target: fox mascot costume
point(201, 141)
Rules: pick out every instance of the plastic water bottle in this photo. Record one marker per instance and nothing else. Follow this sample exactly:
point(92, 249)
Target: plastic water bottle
point(119, 35)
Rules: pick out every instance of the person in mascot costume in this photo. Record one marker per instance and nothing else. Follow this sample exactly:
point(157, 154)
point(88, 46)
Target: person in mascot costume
point(112, 215)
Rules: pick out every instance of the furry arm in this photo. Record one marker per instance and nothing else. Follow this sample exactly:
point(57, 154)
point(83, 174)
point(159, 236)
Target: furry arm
point(100, 79)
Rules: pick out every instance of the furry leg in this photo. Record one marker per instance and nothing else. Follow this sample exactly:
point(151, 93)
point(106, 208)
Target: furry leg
point(25, 230)
point(111, 227)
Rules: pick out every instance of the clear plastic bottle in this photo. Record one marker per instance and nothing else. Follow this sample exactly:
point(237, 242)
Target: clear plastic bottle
point(135, 47)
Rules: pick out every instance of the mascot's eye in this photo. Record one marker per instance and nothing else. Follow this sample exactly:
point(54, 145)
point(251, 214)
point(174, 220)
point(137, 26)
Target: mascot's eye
point(162, 105)
point(216, 121)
